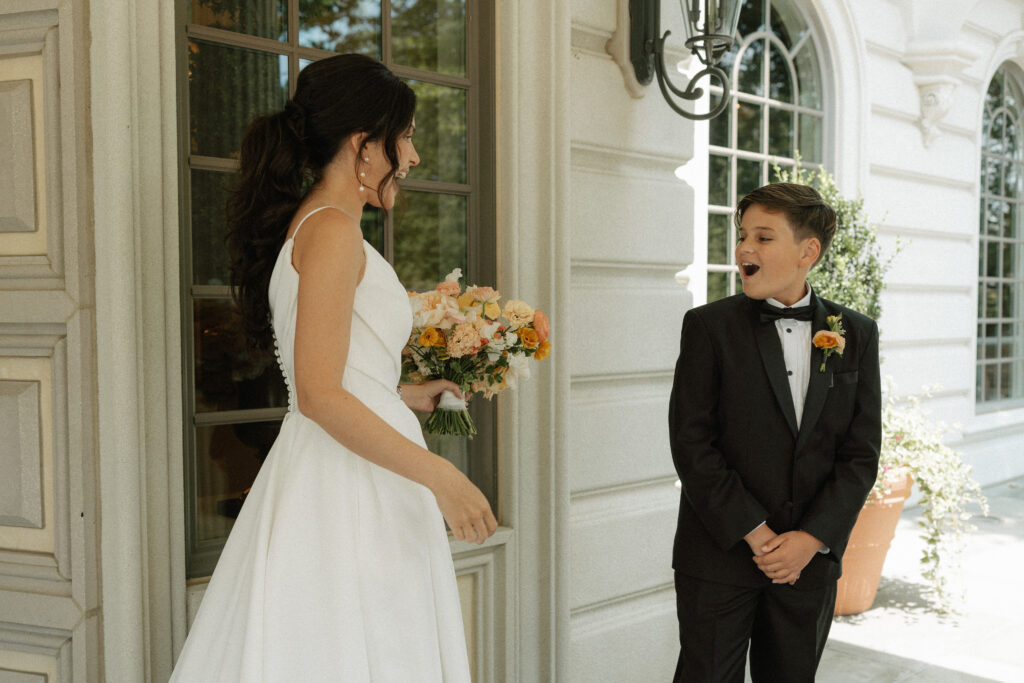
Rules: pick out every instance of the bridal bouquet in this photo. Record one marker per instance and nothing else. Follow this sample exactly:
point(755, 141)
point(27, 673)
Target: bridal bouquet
point(471, 339)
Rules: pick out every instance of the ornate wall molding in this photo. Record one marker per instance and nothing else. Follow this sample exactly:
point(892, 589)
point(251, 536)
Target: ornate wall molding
point(937, 70)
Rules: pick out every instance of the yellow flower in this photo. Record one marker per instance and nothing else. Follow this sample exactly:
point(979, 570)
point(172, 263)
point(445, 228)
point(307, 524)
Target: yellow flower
point(432, 337)
point(492, 310)
point(529, 337)
point(466, 300)
point(543, 350)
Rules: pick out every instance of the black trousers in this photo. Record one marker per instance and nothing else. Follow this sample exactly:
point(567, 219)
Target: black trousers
point(785, 628)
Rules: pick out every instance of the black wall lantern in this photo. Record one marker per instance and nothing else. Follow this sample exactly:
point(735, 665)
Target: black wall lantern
point(710, 26)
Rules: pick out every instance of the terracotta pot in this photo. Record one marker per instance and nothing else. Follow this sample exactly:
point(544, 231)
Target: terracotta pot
point(867, 548)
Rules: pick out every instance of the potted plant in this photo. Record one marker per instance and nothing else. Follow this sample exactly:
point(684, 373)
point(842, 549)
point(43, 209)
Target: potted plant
point(913, 451)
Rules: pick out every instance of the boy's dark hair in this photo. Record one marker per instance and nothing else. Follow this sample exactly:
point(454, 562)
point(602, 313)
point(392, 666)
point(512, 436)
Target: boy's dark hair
point(808, 214)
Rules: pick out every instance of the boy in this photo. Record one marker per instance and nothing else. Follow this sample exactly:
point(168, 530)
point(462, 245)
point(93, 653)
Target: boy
point(775, 439)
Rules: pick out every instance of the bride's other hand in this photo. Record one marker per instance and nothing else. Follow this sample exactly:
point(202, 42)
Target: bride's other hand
point(463, 506)
point(424, 397)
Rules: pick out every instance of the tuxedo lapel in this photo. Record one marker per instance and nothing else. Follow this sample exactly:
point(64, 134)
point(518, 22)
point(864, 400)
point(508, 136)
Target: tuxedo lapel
point(774, 366)
point(818, 385)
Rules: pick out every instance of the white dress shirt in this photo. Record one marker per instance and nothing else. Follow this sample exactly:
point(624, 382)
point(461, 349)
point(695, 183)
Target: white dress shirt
point(795, 336)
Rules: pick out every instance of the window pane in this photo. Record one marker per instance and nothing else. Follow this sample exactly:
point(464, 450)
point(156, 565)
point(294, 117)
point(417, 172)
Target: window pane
point(440, 132)
point(990, 175)
point(748, 177)
point(780, 82)
point(719, 180)
point(1005, 380)
point(430, 35)
point(780, 132)
point(1010, 178)
point(810, 138)
point(1009, 261)
point(718, 127)
point(1009, 299)
point(751, 17)
point(991, 382)
point(430, 239)
point(228, 87)
point(349, 26)
point(230, 375)
point(808, 77)
point(228, 457)
point(991, 301)
point(718, 286)
point(210, 262)
point(750, 79)
point(263, 18)
point(748, 127)
point(992, 259)
point(719, 228)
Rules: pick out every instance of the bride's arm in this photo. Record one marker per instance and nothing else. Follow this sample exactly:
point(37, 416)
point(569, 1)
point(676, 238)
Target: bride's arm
point(328, 253)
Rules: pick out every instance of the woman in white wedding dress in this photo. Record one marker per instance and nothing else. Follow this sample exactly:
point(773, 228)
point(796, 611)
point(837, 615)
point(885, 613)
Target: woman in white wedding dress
point(338, 567)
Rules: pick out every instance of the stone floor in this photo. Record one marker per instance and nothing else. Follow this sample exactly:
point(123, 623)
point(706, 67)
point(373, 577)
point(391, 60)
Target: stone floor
point(903, 638)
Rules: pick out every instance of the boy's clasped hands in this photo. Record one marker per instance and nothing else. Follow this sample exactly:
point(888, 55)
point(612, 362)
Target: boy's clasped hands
point(782, 556)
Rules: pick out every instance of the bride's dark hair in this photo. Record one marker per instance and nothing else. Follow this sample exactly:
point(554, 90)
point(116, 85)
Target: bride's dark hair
point(284, 154)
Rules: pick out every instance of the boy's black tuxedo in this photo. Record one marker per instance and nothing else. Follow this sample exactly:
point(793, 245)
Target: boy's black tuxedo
point(742, 461)
point(739, 454)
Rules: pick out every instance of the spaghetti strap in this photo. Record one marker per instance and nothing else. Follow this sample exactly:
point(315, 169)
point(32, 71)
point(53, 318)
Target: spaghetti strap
point(316, 210)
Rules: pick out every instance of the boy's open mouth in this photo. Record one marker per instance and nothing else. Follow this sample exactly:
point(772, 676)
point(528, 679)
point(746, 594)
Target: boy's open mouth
point(749, 269)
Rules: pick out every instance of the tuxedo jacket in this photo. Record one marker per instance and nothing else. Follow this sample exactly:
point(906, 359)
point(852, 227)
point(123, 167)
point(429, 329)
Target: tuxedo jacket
point(739, 454)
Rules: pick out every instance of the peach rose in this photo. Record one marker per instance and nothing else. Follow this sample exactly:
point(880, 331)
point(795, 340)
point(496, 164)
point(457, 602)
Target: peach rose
point(448, 288)
point(518, 313)
point(826, 339)
point(541, 324)
point(464, 341)
point(486, 294)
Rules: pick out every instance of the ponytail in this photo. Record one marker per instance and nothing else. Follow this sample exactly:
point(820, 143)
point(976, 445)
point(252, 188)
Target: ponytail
point(270, 187)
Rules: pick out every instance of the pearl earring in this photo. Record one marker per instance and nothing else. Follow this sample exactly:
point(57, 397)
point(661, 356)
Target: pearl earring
point(366, 159)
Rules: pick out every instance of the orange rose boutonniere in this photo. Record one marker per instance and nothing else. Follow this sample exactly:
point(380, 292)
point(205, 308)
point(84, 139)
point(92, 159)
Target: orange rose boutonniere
point(831, 340)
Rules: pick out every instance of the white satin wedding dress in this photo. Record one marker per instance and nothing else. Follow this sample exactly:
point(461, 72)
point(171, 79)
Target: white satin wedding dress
point(336, 569)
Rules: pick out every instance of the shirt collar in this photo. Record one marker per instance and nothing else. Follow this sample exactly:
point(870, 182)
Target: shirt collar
point(803, 302)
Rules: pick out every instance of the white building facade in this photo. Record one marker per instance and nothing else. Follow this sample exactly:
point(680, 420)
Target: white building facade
point(607, 214)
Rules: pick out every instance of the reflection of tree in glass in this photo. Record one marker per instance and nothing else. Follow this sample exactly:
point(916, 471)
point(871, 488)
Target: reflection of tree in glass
point(430, 35)
point(440, 132)
point(341, 26)
point(229, 375)
point(228, 87)
point(430, 239)
point(263, 18)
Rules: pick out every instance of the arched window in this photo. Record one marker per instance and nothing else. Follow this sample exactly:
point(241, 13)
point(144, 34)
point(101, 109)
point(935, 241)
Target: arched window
point(777, 112)
point(1000, 376)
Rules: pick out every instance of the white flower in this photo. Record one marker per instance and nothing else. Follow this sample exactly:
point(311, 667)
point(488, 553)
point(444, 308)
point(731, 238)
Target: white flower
point(454, 276)
point(511, 338)
point(518, 368)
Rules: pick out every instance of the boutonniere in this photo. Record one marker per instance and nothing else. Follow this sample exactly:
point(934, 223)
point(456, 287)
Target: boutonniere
point(831, 340)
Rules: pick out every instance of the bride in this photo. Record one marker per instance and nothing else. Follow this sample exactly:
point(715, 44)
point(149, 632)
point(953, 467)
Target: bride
point(338, 567)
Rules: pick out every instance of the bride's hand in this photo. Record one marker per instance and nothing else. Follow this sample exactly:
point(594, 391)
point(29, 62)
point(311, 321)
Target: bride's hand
point(424, 397)
point(463, 506)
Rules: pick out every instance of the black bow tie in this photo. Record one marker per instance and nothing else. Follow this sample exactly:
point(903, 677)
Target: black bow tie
point(771, 313)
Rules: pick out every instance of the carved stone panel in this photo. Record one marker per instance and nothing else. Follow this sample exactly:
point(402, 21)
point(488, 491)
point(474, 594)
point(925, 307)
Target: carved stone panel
point(8, 676)
point(21, 489)
point(17, 172)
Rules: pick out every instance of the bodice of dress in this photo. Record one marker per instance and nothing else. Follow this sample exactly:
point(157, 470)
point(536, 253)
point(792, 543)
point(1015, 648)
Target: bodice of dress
point(381, 323)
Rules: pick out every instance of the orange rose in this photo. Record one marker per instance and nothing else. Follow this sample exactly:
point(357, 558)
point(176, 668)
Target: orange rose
point(529, 337)
point(826, 339)
point(543, 350)
point(542, 325)
point(432, 337)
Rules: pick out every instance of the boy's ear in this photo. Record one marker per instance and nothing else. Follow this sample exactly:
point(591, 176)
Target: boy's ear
point(810, 252)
